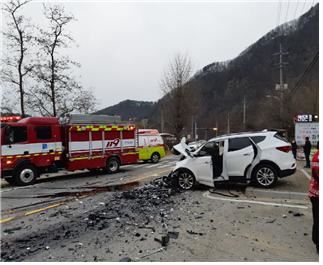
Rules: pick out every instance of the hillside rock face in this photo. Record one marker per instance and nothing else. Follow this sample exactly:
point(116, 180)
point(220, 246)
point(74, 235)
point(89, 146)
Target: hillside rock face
point(221, 86)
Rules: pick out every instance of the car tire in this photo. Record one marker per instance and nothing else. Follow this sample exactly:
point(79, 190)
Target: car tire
point(25, 175)
point(185, 180)
point(265, 176)
point(113, 165)
point(155, 157)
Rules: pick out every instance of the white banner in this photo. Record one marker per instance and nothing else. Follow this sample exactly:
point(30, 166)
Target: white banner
point(309, 129)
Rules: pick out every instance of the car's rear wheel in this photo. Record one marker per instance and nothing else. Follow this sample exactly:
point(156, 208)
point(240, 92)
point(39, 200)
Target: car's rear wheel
point(265, 176)
point(113, 165)
point(185, 180)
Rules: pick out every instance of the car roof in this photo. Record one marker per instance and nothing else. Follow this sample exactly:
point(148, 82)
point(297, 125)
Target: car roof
point(241, 134)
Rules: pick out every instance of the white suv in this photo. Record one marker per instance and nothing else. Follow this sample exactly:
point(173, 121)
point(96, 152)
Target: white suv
point(260, 157)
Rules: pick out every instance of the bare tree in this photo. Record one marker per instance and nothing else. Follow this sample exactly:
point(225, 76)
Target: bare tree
point(57, 91)
point(173, 84)
point(18, 37)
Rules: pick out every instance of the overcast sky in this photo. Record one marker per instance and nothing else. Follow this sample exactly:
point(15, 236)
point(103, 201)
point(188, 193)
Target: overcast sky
point(125, 47)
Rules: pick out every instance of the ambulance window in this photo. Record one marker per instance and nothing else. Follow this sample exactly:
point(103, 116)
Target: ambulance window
point(44, 132)
point(17, 134)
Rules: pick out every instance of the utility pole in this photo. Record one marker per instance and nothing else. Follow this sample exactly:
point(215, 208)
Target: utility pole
point(244, 112)
point(228, 129)
point(281, 87)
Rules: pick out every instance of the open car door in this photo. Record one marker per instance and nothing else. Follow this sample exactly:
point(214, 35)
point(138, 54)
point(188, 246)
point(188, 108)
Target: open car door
point(256, 159)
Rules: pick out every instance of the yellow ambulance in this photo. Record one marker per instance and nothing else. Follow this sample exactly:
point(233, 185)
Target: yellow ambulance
point(150, 145)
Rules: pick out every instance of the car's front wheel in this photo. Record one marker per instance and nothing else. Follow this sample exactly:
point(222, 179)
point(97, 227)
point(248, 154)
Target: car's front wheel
point(185, 180)
point(265, 176)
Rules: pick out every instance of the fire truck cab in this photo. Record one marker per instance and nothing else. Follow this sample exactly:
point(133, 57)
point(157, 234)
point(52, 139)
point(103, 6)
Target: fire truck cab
point(36, 145)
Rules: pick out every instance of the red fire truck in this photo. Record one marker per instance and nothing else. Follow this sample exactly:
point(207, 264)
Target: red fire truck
point(34, 145)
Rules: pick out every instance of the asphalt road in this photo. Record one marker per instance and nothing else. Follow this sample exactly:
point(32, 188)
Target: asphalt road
point(53, 189)
point(254, 225)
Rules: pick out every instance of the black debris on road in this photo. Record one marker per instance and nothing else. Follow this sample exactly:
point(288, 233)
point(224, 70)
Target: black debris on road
point(142, 208)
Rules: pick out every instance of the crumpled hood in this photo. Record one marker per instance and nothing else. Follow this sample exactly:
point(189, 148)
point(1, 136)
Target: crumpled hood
point(183, 148)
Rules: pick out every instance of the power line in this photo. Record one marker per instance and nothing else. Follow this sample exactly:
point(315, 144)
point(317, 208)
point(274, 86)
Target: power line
point(278, 17)
point(296, 9)
point(279, 12)
point(287, 11)
point(307, 70)
point(303, 7)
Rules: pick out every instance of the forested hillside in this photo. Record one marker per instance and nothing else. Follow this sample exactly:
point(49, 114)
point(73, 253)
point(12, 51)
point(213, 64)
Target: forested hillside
point(220, 87)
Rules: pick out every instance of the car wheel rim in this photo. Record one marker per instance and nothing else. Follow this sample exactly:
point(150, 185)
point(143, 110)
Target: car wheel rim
point(155, 158)
point(113, 165)
point(27, 175)
point(186, 181)
point(265, 176)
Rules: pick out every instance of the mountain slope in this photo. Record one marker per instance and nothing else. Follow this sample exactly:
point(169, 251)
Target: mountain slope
point(130, 109)
point(221, 86)
point(253, 74)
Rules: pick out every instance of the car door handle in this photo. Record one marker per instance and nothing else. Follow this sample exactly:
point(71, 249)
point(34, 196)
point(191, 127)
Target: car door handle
point(247, 154)
point(207, 162)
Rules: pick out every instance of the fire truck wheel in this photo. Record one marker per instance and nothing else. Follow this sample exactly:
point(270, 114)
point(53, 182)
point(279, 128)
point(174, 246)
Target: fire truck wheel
point(113, 165)
point(155, 157)
point(25, 175)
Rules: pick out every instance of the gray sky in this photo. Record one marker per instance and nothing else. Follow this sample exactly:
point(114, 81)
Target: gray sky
point(125, 47)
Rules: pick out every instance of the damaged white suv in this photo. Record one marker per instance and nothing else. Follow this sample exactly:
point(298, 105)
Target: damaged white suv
point(259, 157)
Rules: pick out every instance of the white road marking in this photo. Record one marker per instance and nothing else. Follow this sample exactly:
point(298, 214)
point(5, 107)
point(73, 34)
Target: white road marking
point(167, 165)
point(207, 195)
point(150, 166)
point(281, 192)
point(305, 173)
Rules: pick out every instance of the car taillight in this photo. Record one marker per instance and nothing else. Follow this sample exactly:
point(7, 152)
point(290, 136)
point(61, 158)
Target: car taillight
point(284, 149)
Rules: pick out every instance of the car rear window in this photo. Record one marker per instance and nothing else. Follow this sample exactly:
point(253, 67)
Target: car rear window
point(236, 144)
point(258, 139)
point(278, 136)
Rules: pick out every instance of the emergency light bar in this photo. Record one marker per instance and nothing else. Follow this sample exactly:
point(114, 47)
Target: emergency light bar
point(10, 118)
